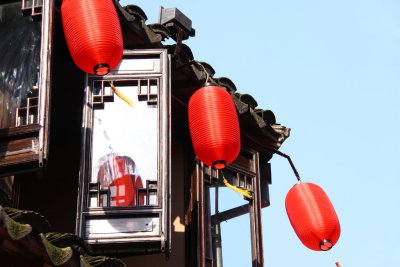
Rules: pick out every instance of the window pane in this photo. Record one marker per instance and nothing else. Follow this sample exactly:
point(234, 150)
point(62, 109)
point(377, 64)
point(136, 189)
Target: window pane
point(115, 227)
point(124, 154)
point(236, 241)
point(232, 224)
point(19, 67)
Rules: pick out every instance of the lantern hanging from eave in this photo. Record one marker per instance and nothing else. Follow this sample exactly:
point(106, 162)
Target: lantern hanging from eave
point(312, 216)
point(214, 126)
point(93, 34)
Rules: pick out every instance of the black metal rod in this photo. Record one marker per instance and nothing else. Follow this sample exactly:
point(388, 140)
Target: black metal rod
point(216, 194)
point(291, 163)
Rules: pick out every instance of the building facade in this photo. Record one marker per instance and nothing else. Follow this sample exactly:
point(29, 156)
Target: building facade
point(109, 159)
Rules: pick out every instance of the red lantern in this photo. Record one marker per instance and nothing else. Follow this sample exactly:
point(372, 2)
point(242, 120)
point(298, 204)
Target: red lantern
point(214, 126)
point(120, 176)
point(122, 191)
point(312, 216)
point(93, 34)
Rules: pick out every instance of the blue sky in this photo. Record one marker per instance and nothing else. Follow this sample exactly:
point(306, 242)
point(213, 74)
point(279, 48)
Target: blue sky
point(330, 71)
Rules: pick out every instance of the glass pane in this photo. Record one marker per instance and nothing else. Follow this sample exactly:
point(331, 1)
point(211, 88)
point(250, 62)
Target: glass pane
point(232, 236)
point(124, 154)
point(236, 241)
point(234, 246)
point(38, 3)
point(19, 67)
point(122, 227)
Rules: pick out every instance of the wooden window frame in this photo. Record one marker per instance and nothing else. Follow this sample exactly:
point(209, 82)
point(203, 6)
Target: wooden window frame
point(252, 164)
point(25, 148)
point(128, 243)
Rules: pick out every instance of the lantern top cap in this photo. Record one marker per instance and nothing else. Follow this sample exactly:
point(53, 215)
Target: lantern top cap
point(101, 69)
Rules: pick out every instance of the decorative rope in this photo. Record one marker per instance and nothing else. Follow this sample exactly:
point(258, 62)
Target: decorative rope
point(247, 194)
point(121, 95)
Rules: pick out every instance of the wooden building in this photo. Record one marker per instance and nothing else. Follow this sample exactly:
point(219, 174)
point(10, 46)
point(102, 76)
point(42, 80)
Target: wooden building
point(63, 132)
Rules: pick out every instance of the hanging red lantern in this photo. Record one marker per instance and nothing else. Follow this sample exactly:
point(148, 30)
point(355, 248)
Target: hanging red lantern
point(93, 34)
point(214, 126)
point(312, 216)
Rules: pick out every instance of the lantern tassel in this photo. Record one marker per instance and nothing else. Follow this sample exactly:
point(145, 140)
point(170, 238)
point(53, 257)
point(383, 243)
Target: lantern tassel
point(121, 95)
point(244, 192)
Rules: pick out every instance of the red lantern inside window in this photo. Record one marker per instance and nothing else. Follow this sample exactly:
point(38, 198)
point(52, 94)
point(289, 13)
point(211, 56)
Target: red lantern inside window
point(119, 175)
point(121, 191)
point(93, 34)
point(214, 126)
point(312, 216)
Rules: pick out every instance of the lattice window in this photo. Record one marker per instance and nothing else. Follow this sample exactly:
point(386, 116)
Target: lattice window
point(246, 173)
point(25, 77)
point(32, 7)
point(125, 162)
point(28, 114)
point(148, 90)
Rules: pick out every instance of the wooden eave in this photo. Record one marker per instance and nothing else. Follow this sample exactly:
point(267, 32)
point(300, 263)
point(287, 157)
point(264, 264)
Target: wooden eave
point(137, 34)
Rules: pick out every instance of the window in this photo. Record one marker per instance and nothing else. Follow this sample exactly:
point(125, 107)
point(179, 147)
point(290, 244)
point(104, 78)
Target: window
point(25, 52)
point(250, 171)
point(32, 7)
point(125, 162)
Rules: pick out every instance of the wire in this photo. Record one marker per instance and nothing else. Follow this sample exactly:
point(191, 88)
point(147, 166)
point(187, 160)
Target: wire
point(296, 173)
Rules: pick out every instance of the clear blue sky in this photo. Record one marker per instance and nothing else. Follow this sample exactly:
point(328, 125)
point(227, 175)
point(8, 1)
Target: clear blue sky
point(330, 71)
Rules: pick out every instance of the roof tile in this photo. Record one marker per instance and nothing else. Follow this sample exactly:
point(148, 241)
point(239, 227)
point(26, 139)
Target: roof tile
point(20, 239)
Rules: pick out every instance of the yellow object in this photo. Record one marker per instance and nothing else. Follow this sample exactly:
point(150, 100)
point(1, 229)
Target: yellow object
point(246, 193)
point(121, 95)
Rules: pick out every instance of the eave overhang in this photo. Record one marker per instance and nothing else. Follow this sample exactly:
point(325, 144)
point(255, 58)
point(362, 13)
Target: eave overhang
point(259, 128)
